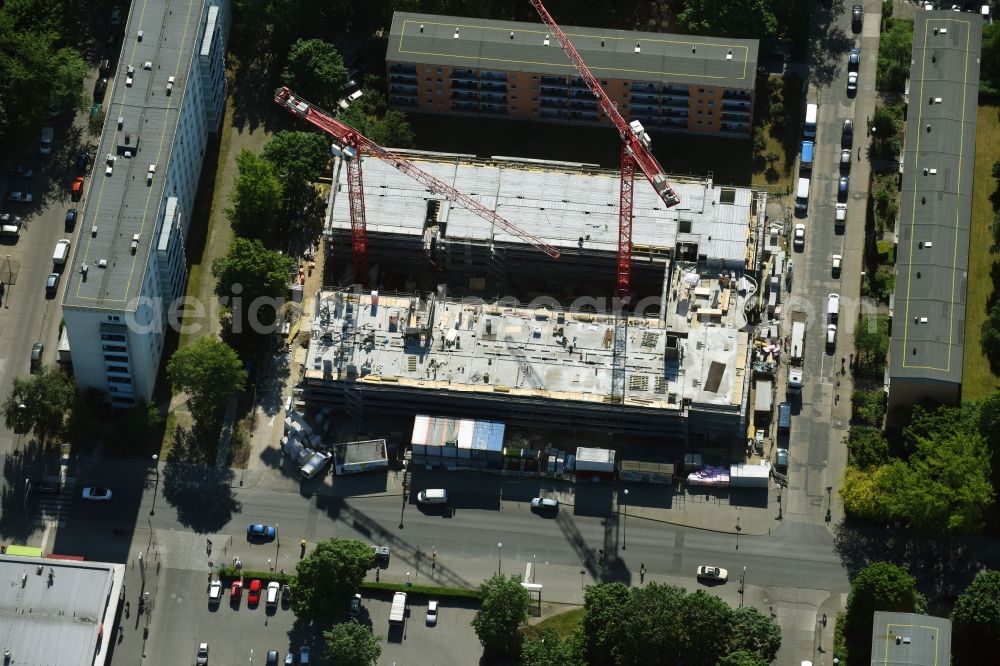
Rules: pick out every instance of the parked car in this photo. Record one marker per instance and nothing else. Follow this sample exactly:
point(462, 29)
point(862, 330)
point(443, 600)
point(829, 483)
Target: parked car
point(852, 84)
point(831, 335)
point(842, 187)
point(345, 103)
point(82, 159)
point(97, 494)
point(70, 219)
point(20, 171)
point(253, 592)
point(202, 657)
point(45, 142)
point(799, 238)
point(304, 654)
point(236, 592)
point(272, 658)
point(215, 592)
point(854, 60)
point(857, 17)
point(706, 572)
point(258, 531)
point(116, 15)
point(847, 134)
point(835, 268)
point(273, 593)
point(76, 189)
point(52, 284)
point(8, 219)
point(20, 197)
point(356, 605)
point(36, 356)
point(432, 613)
point(544, 504)
point(845, 160)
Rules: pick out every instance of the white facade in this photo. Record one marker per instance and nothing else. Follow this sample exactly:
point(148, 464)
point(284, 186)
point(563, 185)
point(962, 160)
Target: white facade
point(124, 277)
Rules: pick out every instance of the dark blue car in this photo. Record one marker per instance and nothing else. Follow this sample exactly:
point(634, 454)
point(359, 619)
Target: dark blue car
point(259, 531)
point(81, 161)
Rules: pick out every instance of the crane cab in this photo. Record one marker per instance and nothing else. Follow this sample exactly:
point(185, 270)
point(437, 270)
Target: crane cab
point(640, 133)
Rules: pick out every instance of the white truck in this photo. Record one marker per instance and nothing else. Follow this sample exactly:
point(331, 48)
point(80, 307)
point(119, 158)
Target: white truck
point(798, 337)
point(841, 217)
point(397, 613)
point(794, 380)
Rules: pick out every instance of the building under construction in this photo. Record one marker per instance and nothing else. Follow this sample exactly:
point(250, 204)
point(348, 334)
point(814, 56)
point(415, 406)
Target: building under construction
point(680, 375)
point(573, 207)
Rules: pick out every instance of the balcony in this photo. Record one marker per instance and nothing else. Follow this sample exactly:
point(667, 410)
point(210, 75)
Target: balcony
point(495, 109)
point(735, 117)
point(645, 99)
point(464, 85)
point(470, 95)
point(461, 73)
point(642, 86)
point(736, 94)
point(676, 90)
point(402, 68)
point(555, 103)
point(735, 128)
point(674, 122)
point(584, 104)
point(555, 114)
point(398, 89)
point(674, 113)
point(554, 80)
point(732, 105)
point(677, 101)
point(468, 107)
point(493, 86)
point(395, 100)
point(648, 109)
point(487, 75)
point(403, 78)
point(584, 116)
point(554, 92)
point(580, 83)
point(496, 98)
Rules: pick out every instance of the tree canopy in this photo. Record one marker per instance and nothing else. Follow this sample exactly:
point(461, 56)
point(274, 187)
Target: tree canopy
point(880, 586)
point(328, 577)
point(868, 447)
point(989, 69)
point(257, 200)
point(742, 658)
point(894, 54)
point(38, 404)
point(549, 650)
point(252, 279)
point(976, 621)
point(351, 644)
point(504, 608)
point(370, 116)
point(316, 71)
point(210, 372)
point(729, 18)
point(299, 159)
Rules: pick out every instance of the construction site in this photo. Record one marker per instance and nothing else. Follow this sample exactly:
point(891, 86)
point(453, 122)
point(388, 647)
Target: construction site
point(452, 272)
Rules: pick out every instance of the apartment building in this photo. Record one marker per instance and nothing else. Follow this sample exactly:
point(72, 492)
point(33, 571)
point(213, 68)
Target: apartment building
point(128, 266)
point(446, 64)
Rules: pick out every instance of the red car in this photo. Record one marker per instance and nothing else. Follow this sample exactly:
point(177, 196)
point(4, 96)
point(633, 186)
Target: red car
point(235, 592)
point(76, 189)
point(253, 592)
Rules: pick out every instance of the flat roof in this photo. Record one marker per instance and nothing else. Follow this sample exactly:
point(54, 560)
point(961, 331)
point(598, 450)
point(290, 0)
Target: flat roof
point(57, 621)
point(924, 640)
point(122, 205)
point(500, 348)
point(360, 452)
point(557, 202)
point(521, 47)
point(932, 256)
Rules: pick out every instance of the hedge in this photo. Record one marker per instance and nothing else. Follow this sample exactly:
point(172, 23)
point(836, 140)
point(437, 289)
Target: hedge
point(233, 573)
point(423, 590)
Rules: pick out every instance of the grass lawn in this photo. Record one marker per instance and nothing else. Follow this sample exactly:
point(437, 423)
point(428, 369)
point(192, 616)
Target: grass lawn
point(977, 379)
point(563, 624)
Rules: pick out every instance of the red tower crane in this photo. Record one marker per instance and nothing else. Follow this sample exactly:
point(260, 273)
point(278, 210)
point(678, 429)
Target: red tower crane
point(635, 152)
point(353, 145)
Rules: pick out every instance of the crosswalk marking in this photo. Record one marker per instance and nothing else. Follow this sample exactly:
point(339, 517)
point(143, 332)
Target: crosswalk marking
point(54, 509)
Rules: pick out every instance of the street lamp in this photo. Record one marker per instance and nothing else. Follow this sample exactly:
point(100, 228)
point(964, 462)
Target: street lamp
point(625, 522)
point(743, 580)
point(582, 574)
point(156, 487)
point(738, 530)
point(499, 550)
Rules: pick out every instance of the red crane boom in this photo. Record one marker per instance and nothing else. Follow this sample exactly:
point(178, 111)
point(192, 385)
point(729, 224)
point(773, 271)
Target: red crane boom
point(638, 145)
point(350, 137)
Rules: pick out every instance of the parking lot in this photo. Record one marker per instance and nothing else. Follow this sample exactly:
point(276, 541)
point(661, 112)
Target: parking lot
point(452, 641)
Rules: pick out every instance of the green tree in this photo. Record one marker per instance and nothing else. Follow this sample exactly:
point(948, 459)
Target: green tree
point(894, 52)
point(887, 122)
point(370, 116)
point(210, 372)
point(603, 623)
point(299, 159)
point(252, 279)
point(256, 202)
point(880, 586)
point(742, 658)
point(708, 628)
point(869, 407)
point(328, 577)
point(142, 422)
point(987, 420)
point(651, 623)
point(316, 71)
point(351, 644)
point(976, 621)
point(752, 19)
point(549, 650)
point(871, 342)
point(756, 633)
point(989, 337)
point(989, 69)
point(39, 404)
point(995, 232)
point(861, 493)
point(868, 447)
point(504, 608)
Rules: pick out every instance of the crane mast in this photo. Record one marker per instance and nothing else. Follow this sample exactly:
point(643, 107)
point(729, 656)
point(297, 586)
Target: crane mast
point(355, 144)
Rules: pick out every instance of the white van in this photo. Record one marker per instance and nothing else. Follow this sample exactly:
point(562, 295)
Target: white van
point(45, 144)
point(10, 230)
point(809, 126)
point(273, 591)
point(833, 307)
point(61, 252)
point(802, 197)
point(315, 464)
point(433, 496)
